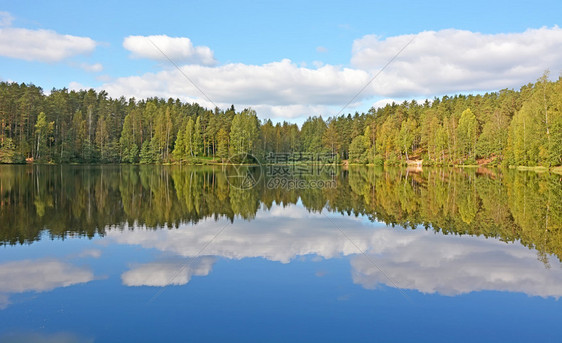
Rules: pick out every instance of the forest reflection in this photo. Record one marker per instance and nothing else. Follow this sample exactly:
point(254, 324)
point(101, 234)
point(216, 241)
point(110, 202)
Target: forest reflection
point(78, 200)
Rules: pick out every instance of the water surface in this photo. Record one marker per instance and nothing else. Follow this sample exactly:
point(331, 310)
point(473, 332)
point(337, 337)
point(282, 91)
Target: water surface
point(128, 253)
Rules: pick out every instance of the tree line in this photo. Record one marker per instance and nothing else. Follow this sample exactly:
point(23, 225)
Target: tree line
point(507, 127)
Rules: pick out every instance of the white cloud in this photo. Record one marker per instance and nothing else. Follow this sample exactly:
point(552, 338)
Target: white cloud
point(413, 259)
point(4, 301)
point(289, 111)
point(33, 337)
point(178, 49)
point(279, 83)
point(383, 102)
point(452, 265)
point(93, 68)
point(388, 101)
point(5, 18)
point(76, 86)
point(104, 78)
point(318, 64)
point(94, 253)
point(161, 274)
point(42, 45)
point(283, 241)
point(450, 61)
point(321, 49)
point(282, 86)
point(435, 63)
point(40, 275)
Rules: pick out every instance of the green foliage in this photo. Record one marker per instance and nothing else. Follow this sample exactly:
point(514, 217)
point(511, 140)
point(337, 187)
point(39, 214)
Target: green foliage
point(222, 150)
point(378, 161)
point(188, 139)
point(146, 153)
point(508, 205)
point(244, 133)
point(197, 139)
point(133, 155)
point(312, 133)
point(88, 152)
point(466, 133)
point(406, 136)
point(534, 132)
point(7, 151)
point(102, 139)
point(386, 140)
point(513, 127)
point(43, 130)
point(493, 139)
point(555, 143)
point(179, 152)
point(359, 149)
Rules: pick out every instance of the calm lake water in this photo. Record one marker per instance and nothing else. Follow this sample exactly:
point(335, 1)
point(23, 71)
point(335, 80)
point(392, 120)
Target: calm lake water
point(150, 253)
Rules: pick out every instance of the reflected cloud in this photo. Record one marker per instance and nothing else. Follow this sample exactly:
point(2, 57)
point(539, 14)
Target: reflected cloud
point(93, 253)
point(453, 265)
point(59, 337)
point(39, 276)
point(4, 301)
point(160, 274)
point(267, 236)
point(413, 259)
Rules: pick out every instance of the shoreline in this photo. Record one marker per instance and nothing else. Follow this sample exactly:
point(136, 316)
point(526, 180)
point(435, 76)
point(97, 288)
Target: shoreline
point(343, 164)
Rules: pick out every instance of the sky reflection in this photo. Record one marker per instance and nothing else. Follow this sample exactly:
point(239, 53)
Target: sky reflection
point(39, 275)
point(250, 280)
point(413, 259)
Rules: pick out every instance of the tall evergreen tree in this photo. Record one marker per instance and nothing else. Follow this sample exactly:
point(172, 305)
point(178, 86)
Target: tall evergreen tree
point(466, 132)
point(197, 139)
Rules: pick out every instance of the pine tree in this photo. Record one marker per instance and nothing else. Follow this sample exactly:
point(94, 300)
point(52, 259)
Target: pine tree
point(358, 149)
point(197, 138)
point(80, 134)
point(42, 131)
point(7, 151)
point(441, 142)
point(222, 149)
point(146, 153)
point(133, 154)
point(188, 138)
point(466, 132)
point(102, 137)
point(386, 141)
point(493, 139)
point(179, 146)
point(244, 133)
point(406, 136)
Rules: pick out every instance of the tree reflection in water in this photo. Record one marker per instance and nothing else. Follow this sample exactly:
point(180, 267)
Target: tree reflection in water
point(78, 200)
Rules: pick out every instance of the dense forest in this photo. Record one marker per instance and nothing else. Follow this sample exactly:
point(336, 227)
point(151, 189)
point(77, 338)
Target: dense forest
point(507, 127)
point(69, 200)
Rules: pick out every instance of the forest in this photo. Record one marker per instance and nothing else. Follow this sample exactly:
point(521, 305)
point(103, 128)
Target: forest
point(509, 127)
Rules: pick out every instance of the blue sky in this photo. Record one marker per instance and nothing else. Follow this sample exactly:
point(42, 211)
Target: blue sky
point(286, 59)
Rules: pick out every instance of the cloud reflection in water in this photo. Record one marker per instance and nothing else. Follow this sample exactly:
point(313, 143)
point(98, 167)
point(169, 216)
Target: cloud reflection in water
point(413, 259)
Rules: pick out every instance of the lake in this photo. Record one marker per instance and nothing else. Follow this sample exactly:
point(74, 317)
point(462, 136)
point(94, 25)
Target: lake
point(267, 254)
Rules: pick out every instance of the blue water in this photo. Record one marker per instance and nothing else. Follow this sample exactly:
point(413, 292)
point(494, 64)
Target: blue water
point(286, 276)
